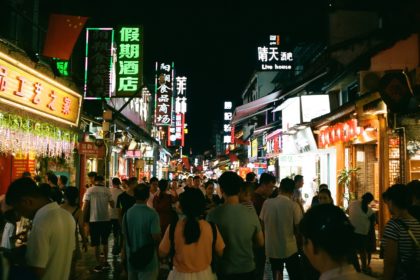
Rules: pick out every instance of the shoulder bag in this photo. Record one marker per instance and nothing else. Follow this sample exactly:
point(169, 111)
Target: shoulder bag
point(142, 256)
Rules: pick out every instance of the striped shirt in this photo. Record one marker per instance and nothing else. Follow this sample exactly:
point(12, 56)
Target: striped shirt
point(395, 230)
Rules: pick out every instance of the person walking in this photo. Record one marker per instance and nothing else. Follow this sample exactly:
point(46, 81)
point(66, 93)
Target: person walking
point(297, 194)
point(280, 217)
point(360, 215)
point(126, 199)
point(55, 193)
point(328, 240)
point(212, 199)
point(401, 237)
point(240, 229)
point(51, 241)
point(162, 203)
point(95, 205)
point(192, 242)
point(154, 190)
point(71, 205)
point(114, 216)
point(141, 227)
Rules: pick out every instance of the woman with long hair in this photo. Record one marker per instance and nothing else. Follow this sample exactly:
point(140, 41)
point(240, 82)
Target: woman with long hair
point(191, 241)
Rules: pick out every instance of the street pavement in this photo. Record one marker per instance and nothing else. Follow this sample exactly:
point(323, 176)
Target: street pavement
point(84, 268)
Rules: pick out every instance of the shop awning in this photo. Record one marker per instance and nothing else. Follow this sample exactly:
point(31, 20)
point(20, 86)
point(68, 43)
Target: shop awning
point(254, 108)
point(123, 121)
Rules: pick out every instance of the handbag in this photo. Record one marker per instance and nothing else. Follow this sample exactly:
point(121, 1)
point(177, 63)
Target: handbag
point(142, 256)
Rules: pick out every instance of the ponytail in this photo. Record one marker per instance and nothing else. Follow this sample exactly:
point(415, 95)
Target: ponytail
point(192, 230)
point(193, 204)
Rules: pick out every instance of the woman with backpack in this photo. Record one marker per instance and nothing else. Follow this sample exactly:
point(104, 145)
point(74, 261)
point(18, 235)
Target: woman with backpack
point(192, 242)
point(401, 237)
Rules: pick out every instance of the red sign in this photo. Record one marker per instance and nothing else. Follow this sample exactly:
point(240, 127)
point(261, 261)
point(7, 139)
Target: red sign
point(273, 143)
point(90, 148)
point(23, 163)
point(345, 132)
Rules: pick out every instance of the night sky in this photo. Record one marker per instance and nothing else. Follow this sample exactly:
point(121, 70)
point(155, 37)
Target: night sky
point(213, 46)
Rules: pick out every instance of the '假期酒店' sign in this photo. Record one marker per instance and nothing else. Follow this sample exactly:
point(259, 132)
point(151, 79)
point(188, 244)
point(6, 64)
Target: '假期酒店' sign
point(24, 88)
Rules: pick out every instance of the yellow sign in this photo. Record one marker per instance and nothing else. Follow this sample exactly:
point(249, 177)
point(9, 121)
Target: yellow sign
point(254, 148)
point(24, 88)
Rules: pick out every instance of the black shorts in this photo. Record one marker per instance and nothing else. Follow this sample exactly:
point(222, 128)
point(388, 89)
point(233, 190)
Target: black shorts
point(99, 232)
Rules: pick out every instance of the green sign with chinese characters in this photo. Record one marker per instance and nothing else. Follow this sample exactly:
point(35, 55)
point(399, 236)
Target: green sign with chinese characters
point(130, 60)
point(62, 67)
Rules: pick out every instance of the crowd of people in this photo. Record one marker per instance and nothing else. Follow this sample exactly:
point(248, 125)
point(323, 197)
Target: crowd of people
point(204, 229)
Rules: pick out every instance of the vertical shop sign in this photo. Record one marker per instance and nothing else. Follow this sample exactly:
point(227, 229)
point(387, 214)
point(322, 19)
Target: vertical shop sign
point(130, 60)
point(254, 148)
point(99, 63)
point(177, 128)
point(227, 128)
point(163, 97)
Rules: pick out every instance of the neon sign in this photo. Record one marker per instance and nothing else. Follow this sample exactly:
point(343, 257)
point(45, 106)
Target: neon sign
point(272, 58)
point(24, 88)
point(130, 60)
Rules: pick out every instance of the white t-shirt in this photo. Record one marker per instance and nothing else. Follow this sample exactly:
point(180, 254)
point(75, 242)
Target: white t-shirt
point(8, 231)
point(51, 242)
point(99, 197)
point(280, 215)
point(359, 219)
point(113, 212)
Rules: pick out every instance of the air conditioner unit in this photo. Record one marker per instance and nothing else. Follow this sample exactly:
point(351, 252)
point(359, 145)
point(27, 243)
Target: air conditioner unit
point(369, 81)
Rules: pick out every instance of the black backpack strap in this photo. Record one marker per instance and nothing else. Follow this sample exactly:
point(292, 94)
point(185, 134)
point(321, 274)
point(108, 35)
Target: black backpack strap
point(213, 246)
point(172, 227)
point(214, 231)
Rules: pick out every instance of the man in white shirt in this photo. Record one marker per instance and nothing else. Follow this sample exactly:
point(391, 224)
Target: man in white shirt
point(114, 216)
point(96, 201)
point(280, 217)
point(51, 242)
point(154, 190)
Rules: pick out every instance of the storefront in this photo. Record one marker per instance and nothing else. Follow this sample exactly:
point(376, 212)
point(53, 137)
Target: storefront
point(273, 149)
point(299, 156)
point(38, 122)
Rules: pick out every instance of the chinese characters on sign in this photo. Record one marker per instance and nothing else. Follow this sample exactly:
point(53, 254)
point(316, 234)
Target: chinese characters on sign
point(271, 57)
point(227, 129)
point(62, 67)
point(26, 89)
point(163, 87)
point(177, 128)
point(181, 98)
point(346, 131)
point(98, 63)
point(176, 131)
point(130, 61)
